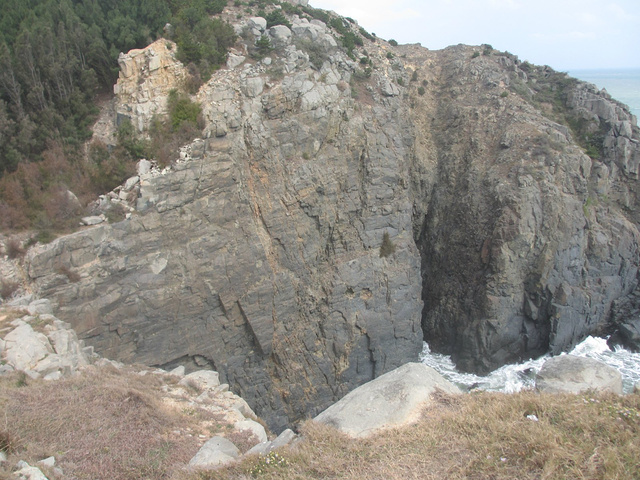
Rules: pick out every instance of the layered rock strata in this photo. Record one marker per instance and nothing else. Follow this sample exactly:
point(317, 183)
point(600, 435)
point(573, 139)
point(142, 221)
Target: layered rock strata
point(258, 254)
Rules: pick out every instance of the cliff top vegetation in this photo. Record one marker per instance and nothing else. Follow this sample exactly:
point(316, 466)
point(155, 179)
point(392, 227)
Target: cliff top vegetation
point(480, 435)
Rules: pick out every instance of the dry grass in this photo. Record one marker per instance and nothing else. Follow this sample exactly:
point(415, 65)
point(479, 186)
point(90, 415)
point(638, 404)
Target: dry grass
point(476, 436)
point(103, 424)
point(111, 424)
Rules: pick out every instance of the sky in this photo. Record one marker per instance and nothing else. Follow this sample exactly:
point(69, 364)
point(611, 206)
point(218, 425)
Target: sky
point(564, 34)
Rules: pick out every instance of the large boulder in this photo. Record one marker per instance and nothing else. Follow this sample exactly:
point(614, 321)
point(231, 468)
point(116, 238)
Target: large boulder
point(393, 399)
point(216, 452)
point(571, 374)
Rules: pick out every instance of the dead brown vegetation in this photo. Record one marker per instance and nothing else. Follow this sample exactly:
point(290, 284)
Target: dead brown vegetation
point(103, 424)
point(476, 436)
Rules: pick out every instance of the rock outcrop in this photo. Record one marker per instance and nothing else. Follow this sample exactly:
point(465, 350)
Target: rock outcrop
point(394, 399)
point(571, 374)
point(40, 344)
point(146, 77)
point(258, 253)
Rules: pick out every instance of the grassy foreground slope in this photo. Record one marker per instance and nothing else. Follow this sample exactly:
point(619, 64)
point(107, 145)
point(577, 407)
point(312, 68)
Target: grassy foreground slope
point(111, 424)
point(481, 436)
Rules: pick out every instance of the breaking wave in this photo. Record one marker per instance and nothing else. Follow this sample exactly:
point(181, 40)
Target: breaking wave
point(515, 377)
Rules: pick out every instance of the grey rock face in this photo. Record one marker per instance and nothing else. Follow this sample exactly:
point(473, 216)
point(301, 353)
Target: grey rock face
point(258, 253)
point(571, 374)
point(519, 255)
point(391, 400)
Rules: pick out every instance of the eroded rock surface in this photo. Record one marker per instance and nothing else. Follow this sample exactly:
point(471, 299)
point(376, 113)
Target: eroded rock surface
point(394, 399)
point(571, 374)
point(258, 253)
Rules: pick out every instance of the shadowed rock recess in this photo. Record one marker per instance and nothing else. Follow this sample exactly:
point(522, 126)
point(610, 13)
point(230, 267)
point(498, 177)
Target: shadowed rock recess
point(258, 253)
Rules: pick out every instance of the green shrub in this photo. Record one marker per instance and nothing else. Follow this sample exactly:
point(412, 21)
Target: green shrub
point(7, 289)
point(393, 43)
point(263, 47)
point(366, 34)
point(390, 55)
point(317, 54)
point(421, 91)
point(504, 94)
point(475, 55)
point(276, 17)
point(387, 248)
point(182, 110)
point(318, 14)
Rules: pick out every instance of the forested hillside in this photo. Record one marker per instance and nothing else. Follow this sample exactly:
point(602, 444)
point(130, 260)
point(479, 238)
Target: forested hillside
point(56, 58)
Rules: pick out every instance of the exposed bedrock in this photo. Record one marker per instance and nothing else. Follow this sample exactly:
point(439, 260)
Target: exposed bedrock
point(525, 240)
point(258, 254)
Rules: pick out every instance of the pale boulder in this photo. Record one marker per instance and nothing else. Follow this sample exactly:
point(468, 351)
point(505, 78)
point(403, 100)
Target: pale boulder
point(24, 347)
point(254, 427)
point(216, 452)
point(391, 400)
point(572, 374)
point(202, 380)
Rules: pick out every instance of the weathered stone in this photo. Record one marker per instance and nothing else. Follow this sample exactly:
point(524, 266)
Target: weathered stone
point(391, 400)
point(40, 307)
point(571, 374)
point(389, 89)
point(235, 60)
point(48, 462)
point(93, 220)
point(202, 380)
point(285, 438)
point(27, 472)
point(24, 347)
point(254, 427)
point(144, 167)
point(257, 23)
point(146, 78)
point(130, 183)
point(281, 34)
point(216, 452)
point(179, 371)
point(253, 86)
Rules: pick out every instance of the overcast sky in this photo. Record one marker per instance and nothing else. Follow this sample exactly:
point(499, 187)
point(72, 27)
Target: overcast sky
point(565, 34)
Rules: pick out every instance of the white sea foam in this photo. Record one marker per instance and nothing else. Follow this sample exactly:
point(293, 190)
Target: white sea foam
point(515, 377)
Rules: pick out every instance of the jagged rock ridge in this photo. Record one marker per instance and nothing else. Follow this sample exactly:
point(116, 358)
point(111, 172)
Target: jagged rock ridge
point(258, 253)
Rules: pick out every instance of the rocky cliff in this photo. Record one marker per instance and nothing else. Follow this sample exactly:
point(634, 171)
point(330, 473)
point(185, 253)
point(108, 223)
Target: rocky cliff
point(258, 253)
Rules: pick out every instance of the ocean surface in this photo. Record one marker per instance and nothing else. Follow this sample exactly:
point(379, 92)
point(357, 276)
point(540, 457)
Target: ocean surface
point(515, 377)
point(623, 85)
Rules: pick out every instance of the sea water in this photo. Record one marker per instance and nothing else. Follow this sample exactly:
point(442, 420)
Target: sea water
point(515, 377)
point(623, 85)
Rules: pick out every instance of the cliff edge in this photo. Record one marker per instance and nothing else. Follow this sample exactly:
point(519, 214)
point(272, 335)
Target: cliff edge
point(344, 204)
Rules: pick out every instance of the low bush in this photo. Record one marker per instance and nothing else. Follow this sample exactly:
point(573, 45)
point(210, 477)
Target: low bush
point(387, 248)
point(14, 249)
point(7, 289)
point(276, 17)
point(182, 110)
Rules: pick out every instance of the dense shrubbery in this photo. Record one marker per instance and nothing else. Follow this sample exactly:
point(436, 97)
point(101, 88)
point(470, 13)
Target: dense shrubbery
point(55, 56)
